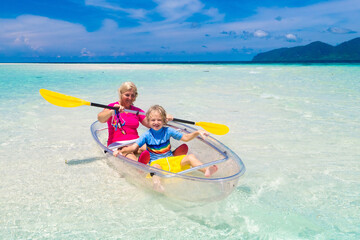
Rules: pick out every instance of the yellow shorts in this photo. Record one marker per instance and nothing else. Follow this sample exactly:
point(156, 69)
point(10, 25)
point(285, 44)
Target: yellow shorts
point(171, 164)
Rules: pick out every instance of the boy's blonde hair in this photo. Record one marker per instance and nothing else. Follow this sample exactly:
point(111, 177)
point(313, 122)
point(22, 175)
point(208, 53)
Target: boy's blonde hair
point(127, 86)
point(159, 109)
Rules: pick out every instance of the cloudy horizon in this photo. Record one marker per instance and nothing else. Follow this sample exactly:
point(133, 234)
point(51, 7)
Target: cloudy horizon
point(168, 30)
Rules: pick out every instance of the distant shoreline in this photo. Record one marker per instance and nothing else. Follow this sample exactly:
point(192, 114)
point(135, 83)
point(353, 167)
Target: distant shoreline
point(201, 62)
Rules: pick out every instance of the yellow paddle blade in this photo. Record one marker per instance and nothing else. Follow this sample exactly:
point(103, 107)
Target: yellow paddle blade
point(62, 100)
point(215, 128)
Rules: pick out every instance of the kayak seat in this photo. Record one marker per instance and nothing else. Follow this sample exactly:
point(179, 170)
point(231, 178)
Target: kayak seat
point(144, 157)
point(181, 150)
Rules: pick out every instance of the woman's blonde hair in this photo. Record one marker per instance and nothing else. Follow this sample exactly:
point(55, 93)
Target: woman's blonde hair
point(127, 86)
point(159, 109)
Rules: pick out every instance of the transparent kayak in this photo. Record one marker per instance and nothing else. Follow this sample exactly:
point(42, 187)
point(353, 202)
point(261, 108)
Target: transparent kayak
point(189, 185)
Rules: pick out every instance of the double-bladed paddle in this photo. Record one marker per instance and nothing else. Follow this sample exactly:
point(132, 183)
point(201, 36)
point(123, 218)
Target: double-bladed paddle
point(63, 100)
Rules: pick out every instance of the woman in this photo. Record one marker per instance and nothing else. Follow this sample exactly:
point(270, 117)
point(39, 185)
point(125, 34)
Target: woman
point(123, 125)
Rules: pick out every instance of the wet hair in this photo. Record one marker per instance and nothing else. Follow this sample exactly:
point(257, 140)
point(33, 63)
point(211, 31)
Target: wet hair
point(127, 86)
point(159, 109)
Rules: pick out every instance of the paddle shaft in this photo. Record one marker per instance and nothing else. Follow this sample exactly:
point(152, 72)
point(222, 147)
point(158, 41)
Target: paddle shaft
point(183, 121)
point(116, 108)
point(103, 106)
point(137, 112)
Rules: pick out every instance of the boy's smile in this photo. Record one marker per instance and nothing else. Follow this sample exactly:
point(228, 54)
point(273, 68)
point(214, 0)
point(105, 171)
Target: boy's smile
point(156, 121)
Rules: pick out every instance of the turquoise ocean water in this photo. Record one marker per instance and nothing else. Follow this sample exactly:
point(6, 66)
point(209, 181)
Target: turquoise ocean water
point(296, 127)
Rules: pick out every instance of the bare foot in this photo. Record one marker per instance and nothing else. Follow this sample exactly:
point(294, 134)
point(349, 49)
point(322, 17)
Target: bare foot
point(211, 170)
point(157, 184)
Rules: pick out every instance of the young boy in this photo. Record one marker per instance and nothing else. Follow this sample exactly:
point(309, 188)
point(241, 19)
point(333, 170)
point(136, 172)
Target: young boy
point(157, 140)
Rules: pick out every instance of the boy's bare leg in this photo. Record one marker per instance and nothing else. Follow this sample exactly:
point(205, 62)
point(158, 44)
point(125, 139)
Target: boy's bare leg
point(194, 162)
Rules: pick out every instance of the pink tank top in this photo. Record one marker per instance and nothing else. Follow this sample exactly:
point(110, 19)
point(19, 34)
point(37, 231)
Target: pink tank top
point(130, 124)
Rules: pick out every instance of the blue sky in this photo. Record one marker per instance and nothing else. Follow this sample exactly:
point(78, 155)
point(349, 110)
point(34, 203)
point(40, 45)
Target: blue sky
point(168, 30)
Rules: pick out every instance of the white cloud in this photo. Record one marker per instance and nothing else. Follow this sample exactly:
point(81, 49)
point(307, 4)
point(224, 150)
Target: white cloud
point(139, 13)
point(312, 16)
point(86, 53)
point(118, 54)
point(39, 33)
point(178, 10)
point(170, 10)
point(23, 40)
point(260, 33)
point(339, 30)
point(291, 37)
point(214, 14)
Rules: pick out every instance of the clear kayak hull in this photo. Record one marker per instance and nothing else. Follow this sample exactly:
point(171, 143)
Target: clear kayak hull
point(189, 185)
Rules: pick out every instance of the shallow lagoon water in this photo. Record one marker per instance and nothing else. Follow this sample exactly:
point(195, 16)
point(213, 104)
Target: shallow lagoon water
point(296, 127)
